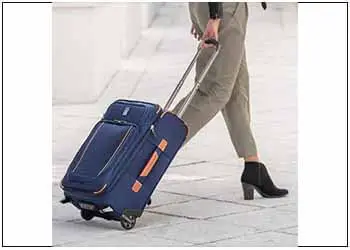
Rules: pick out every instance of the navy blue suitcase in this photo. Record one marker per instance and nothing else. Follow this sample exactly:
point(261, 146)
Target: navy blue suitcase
point(119, 165)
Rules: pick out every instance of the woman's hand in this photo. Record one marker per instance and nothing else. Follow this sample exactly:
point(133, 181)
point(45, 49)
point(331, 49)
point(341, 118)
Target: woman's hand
point(211, 31)
point(195, 33)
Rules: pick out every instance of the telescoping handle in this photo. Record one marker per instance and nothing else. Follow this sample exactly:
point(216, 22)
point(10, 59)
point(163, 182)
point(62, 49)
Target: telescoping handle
point(199, 80)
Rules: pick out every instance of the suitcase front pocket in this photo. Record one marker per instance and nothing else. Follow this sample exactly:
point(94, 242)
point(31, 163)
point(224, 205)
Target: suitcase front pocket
point(103, 145)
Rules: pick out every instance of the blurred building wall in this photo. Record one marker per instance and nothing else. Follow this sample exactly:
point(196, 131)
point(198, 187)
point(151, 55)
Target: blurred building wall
point(89, 40)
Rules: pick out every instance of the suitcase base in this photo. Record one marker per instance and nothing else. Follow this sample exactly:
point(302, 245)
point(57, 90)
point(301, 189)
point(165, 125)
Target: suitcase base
point(127, 222)
point(89, 211)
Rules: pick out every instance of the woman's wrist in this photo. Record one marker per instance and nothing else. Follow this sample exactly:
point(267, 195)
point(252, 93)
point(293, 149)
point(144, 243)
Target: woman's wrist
point(215, 21)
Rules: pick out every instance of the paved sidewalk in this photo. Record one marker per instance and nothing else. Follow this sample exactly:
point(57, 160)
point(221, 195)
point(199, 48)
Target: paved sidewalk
point(199, 201)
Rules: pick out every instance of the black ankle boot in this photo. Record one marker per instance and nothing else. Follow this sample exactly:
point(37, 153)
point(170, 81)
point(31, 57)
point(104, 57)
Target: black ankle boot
point(255, 176)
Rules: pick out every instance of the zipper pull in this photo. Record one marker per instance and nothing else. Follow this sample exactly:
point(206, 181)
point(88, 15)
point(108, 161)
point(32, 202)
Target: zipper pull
point(119, 121)
point(153, 130)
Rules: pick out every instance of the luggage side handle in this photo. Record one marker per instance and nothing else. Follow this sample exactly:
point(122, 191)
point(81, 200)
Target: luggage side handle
point(150, 164)
point(199, 80)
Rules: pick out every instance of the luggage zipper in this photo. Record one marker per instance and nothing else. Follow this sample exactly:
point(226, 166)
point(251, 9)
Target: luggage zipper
point(87, 146)
point(116, 121)
point(116, 151)
point(123, 122)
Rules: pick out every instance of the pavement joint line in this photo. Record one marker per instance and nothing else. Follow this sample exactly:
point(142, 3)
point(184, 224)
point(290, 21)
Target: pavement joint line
point(188, 164)
point(132, 92)
point(156, 15)
point(133, 49)
point(283, 228)
point(174, 215)
point(69, 220)
point(107, 85)
point(257, 230)
point(156, 226)
point(276, 231)
point(289, 227)
point(233, 213)
point(66, 243)
point(156, 49)
point(173, 203)
point(233, 202)
point(79, 115)
point(283, 205)
point(187, 195)
point(209, 198)
point(138, 81)
point(205, 218)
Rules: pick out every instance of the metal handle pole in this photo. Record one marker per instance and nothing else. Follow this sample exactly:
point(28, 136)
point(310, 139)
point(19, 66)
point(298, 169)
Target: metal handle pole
point(197, 83)
point(185, 75)
point(181, 82)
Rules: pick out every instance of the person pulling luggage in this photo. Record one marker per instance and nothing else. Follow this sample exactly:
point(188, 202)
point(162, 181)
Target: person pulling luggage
point(226, 88)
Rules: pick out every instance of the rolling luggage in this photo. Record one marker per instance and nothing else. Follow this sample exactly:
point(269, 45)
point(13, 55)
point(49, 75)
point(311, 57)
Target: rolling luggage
point(117, 168)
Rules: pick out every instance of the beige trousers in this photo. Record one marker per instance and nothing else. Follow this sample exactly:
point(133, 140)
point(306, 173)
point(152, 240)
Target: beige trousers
point(226, 86)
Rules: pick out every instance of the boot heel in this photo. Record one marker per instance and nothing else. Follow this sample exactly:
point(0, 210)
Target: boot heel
point(248, 191)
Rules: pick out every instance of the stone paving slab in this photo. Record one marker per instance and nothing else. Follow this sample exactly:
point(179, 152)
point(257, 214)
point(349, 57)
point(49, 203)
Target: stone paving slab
point(128, 240)
point(202, 188)
point(266, 239)
point(72, 228)
point(76, 231)
point(200, 231)
point(65, 212)
point(203, 209)
point(264, 219)
point(56, 192)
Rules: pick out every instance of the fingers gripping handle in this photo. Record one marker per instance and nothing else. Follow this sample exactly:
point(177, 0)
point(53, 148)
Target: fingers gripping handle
point(199, 80)
point(213, 42)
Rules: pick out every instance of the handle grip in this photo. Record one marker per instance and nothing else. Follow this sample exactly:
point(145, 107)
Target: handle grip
point(213, 42)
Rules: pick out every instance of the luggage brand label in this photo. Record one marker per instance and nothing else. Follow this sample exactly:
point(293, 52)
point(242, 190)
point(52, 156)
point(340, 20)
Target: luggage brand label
point(126, 111)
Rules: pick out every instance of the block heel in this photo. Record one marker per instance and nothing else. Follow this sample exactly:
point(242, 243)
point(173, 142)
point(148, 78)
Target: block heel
point(256, 177)
point(248, 191)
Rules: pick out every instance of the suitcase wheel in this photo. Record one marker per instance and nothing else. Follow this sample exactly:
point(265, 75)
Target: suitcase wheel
point(86, 214)
point(127, 222)
point(149, 202)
